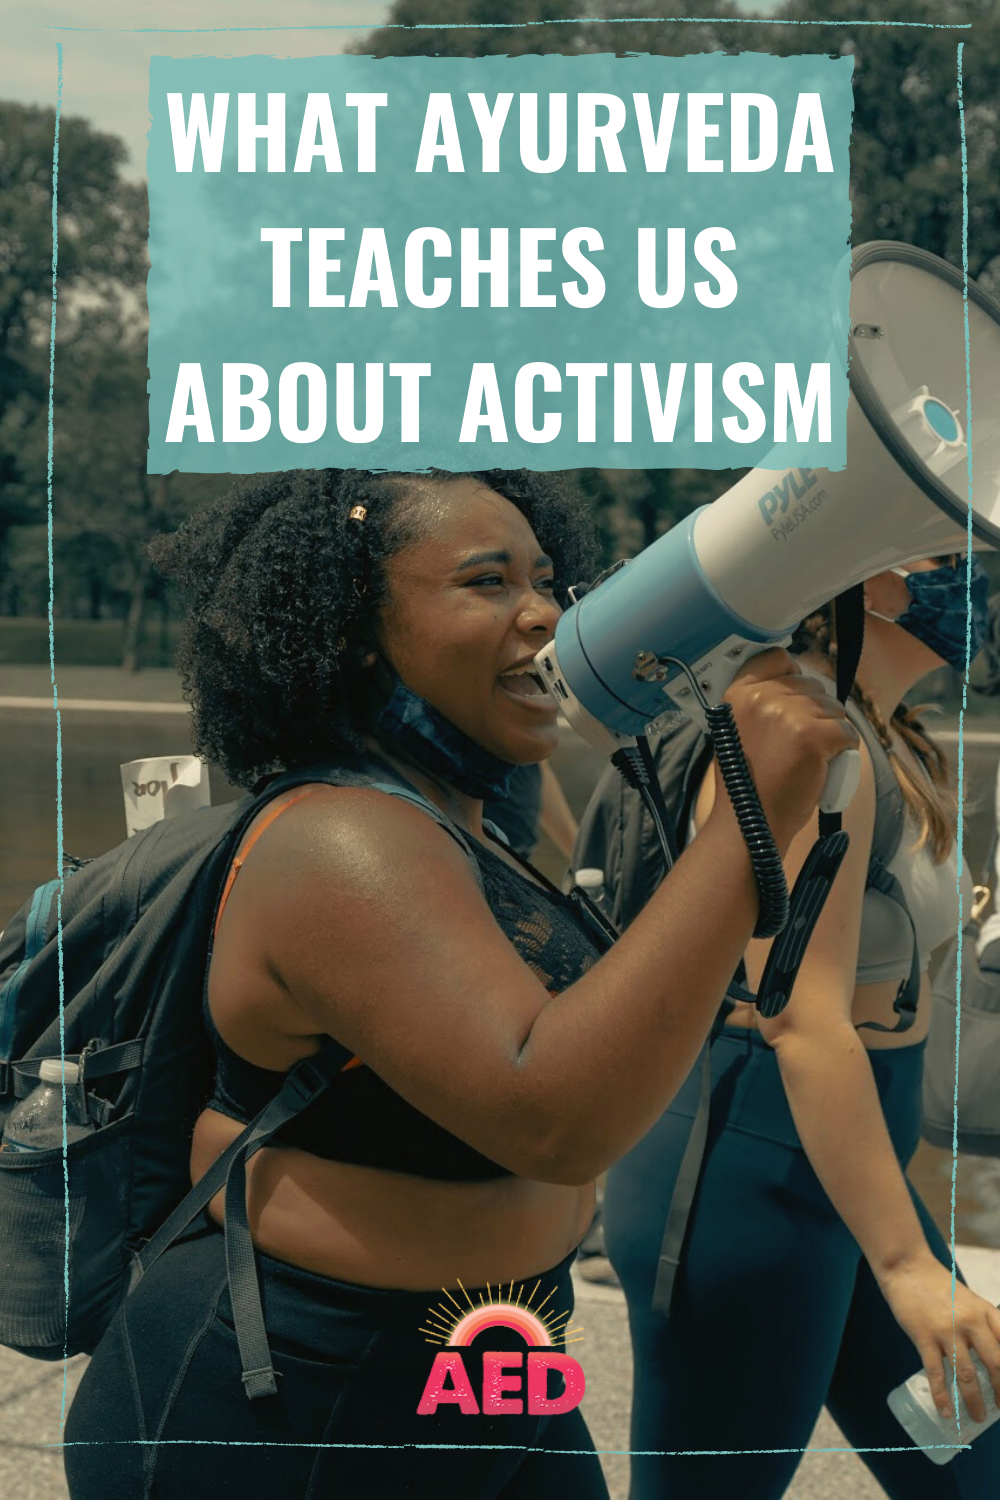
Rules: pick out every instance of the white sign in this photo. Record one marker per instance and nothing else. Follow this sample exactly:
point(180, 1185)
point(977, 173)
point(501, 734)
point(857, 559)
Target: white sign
point(163, 788)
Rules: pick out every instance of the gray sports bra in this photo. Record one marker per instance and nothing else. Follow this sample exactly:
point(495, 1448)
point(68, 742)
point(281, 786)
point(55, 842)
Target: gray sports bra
point(931, 895)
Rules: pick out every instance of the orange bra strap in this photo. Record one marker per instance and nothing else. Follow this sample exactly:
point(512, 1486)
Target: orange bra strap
point(272, 813)
point(275, 810)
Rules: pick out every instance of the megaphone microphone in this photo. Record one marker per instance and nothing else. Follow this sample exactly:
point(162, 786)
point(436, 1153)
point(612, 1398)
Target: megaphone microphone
point(670, 629)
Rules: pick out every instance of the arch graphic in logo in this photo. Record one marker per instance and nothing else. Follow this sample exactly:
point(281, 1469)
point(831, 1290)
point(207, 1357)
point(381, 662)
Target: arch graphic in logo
point(456, 1328)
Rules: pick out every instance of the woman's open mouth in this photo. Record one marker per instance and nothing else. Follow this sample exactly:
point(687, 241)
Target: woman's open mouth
point(524, 684)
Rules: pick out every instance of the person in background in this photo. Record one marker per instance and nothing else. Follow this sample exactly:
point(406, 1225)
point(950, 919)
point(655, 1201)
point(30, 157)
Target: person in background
point(533, 802)
point(556, 819)
point(810, 1272)
point(989, 933)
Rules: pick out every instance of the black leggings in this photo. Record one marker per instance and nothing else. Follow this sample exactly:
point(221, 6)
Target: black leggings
point(775, 1312)
point(161, 1413)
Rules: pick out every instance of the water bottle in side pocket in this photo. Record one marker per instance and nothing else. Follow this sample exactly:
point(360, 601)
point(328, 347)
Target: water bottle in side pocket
point(36, 1124)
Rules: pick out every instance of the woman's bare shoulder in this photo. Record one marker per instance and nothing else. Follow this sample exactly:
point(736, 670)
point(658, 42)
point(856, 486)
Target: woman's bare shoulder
point(353, 833)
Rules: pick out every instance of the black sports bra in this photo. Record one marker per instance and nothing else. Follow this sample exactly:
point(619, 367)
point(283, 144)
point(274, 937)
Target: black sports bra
point(361, 1120)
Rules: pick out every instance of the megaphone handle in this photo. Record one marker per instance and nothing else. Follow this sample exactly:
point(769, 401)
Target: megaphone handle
point(841, 783)
point(843, 772)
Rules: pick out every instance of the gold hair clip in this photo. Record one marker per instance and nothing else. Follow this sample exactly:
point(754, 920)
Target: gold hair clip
point(357, 513)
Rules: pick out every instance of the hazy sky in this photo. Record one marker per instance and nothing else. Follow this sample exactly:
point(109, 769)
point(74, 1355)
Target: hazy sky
point(107, 45)
point(106, 69)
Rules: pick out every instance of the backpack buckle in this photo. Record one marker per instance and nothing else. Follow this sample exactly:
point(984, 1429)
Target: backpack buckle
point(261, 1382)
point(302, 1084)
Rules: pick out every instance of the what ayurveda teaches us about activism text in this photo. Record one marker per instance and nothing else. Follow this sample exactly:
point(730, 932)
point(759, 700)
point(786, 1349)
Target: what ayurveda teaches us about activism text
point(534, 261)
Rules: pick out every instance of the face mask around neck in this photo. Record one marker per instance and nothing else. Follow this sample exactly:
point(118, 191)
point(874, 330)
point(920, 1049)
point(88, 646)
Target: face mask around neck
point(434, 744)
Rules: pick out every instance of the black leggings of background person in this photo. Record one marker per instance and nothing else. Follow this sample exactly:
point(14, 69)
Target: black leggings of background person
point(775, 1312)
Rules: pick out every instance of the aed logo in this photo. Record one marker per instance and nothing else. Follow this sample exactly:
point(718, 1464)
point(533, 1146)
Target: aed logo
point(784, 493)
point(503, 1392)
point(499, 1384)
point(155, 788)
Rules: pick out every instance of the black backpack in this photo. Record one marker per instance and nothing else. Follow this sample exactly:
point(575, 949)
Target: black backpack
point(121, 993)
point(617, 834)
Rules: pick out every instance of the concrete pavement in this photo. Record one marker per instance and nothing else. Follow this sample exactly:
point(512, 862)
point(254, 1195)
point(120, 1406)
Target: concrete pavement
point(31, 1397)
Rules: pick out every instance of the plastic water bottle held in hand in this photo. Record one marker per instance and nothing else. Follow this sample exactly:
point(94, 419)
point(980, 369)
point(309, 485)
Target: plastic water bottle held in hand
point(913, 1406)
point(36, 1124)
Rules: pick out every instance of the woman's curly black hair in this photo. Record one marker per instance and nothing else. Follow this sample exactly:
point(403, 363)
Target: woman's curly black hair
point(284, 590)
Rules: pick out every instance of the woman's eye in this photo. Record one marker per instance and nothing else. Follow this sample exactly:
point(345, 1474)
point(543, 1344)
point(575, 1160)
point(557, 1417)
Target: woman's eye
point(498, 580)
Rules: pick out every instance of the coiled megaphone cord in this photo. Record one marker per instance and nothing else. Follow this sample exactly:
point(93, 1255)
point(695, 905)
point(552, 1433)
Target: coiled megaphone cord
point(638, 768)
point(764, 856)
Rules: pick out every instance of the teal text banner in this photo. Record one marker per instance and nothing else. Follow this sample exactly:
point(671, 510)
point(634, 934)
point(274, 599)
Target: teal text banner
point(546, 262)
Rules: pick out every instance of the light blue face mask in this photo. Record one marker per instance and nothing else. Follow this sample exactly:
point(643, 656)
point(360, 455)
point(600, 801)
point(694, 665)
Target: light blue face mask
point(432, 742)
point(942, 610)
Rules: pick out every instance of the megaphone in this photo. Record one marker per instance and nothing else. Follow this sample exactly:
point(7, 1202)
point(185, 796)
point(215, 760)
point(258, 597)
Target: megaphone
point(738, 575)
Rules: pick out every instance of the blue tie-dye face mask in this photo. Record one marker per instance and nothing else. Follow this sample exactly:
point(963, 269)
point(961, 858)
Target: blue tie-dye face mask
point(942, 610)
point(432, 742)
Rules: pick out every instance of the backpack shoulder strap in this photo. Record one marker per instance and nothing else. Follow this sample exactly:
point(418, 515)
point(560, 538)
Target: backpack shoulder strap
point(302, 1084)
point(890, 809)
point(616, 834)
point(887, 833)
point(907, 996)
point(688, 1176)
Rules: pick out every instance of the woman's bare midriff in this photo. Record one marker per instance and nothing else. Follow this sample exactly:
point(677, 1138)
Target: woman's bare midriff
point(387, 1229)
point(872, 1002)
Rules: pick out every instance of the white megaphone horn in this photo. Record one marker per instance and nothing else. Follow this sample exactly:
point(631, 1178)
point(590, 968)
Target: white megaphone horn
point(738, 575)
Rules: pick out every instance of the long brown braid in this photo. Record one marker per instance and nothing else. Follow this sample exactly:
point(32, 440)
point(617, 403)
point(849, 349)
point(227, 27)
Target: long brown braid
point(931, 798)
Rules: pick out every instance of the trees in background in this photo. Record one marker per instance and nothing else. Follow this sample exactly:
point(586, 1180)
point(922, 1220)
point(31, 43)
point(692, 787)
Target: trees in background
point(487, 28)
point(106, 507)
point(906, 156)
point(102, 233)
point(906, 166)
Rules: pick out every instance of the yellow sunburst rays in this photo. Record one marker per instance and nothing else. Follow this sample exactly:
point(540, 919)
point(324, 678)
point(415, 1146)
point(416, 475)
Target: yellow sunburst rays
point(444, 1320)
